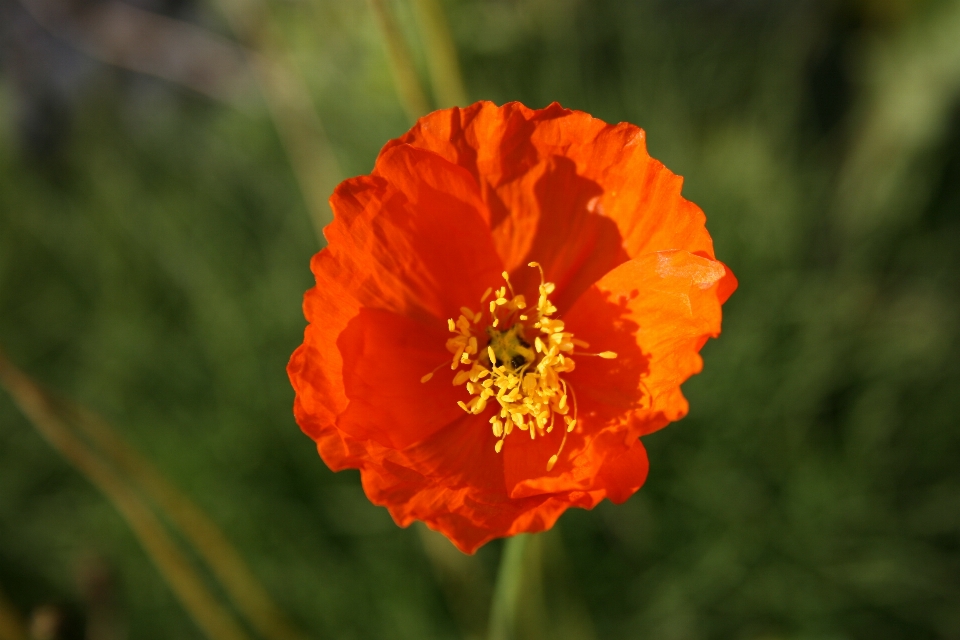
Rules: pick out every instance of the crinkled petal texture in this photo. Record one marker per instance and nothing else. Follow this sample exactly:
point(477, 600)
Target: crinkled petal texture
point(463, 196)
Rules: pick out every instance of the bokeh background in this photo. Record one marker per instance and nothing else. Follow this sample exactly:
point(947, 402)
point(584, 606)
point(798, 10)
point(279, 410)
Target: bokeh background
point(164, 166)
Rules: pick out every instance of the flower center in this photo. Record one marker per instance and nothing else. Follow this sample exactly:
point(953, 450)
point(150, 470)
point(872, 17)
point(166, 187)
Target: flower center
point(525, 380)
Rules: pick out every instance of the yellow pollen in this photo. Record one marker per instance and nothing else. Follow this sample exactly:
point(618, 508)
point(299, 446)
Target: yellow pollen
point(525, 380)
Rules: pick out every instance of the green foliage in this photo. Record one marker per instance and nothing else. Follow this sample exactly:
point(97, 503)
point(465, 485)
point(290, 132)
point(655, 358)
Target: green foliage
point(153, 260)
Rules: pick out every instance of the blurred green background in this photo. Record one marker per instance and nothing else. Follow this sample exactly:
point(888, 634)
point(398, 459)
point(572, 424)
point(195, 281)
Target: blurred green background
point(163, 165)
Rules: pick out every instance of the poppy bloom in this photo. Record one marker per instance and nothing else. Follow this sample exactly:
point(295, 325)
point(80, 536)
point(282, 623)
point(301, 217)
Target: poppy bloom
point(505, 305)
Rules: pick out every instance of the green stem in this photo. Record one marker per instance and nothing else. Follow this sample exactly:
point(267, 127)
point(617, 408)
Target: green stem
point(507, 591)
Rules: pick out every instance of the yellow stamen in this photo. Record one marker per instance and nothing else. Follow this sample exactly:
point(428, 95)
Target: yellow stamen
point(606, 355)
point(525, 381)
point(427, 377)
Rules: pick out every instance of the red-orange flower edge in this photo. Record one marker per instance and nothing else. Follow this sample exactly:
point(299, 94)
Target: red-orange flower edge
point(553, 265)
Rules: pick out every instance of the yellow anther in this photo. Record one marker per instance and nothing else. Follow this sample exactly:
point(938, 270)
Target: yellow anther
point(427, 377)
point(525, 383)
point(607, 355)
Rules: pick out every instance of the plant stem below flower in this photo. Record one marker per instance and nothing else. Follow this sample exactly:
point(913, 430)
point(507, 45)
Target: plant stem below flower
point(506, 592)
point(517, 606)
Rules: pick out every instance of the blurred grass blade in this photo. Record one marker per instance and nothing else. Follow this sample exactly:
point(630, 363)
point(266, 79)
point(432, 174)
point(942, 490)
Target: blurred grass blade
point(207, 539)
point(409, 86)
point(188, 586)
point(444, 67)
point(314, 165)
point(291, 108)
point(914, 82)
point(12, 626)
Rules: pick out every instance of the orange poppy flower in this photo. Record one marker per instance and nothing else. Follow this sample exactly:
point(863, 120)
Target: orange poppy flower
point(504, 306)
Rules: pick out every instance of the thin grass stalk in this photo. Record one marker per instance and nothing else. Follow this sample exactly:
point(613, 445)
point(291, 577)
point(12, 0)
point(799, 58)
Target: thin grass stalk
point(187, 585)
point(442, 62)
point(410, 89)
point(291, 107)
point(12, 626)
point(222, 558)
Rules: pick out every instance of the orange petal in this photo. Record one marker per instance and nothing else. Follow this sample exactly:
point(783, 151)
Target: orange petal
point(315, 368)
point(547, 173)
point(453, 481)
point(384, 357)
point(622, 475)
point(412, 238)
point(656, 312)
point(398, 244)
